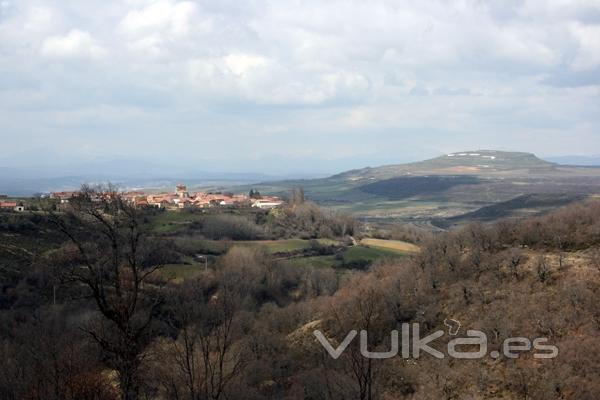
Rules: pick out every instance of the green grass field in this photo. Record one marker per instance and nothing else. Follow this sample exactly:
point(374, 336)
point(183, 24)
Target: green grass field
point(272, 246)
point(316, 261)
point(276, 246)
point(180, 271)
point(171, 221)
point(351, 255)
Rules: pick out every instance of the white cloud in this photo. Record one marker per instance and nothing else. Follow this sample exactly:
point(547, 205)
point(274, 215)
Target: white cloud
point(39, 19)
point(258, 79)
point(154, 16)
point(240, 64)
point(158, 28)
point(588, 54)
point(176, 17)
point(308, 68)
point(74, 44)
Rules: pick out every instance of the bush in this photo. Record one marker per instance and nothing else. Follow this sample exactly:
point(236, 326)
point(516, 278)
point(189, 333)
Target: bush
point(233, 227)
point(309, 221)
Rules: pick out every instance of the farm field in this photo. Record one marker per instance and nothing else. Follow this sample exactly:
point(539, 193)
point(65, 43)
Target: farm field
point(170, 222)
point(315, 261)
point(180, 271)
point(366, 253)
point(206, 246)
point(284, 245)
point(358, 256)
point(396, 245)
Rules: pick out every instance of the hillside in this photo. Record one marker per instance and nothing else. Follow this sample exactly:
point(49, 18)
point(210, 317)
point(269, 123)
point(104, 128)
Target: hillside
point(447, 186)
point(521, 206)
point(248, 309)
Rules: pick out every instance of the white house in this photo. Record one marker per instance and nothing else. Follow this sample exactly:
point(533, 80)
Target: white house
point(266, 204)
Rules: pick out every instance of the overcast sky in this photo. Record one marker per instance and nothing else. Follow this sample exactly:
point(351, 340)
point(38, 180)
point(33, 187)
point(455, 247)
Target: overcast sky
point(292, 86)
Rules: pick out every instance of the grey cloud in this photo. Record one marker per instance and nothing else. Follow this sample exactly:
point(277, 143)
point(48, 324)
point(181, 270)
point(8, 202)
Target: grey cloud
point(418, 91)
point(566, 78)
point(304, 75)
point(445, 91)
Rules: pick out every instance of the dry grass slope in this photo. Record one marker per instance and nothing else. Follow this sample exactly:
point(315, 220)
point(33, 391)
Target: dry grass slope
point(397, 245)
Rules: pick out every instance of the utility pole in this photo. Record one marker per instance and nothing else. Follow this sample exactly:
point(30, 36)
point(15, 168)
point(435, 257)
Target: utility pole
point(201, 257)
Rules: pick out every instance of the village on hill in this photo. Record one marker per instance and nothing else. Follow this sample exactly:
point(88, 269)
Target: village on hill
point(181, 198)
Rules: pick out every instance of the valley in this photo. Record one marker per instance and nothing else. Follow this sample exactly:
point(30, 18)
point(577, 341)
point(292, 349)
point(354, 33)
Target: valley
point(450, 188)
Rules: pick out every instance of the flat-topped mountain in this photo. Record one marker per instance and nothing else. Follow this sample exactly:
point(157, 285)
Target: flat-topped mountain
point(477, 162)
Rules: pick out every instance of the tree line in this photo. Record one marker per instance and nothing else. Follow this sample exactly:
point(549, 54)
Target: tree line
point(244, 329)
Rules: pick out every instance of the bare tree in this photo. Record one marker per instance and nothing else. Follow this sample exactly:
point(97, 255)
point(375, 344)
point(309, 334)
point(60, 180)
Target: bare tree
point(542, 269)
point(297, 196)
point(206, 354)
point(363, 305)
point(595, 258)
point(515, 258)
point(114, 258)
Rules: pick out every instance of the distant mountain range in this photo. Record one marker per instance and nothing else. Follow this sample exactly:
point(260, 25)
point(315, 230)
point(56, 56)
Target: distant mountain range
point(125, 173)
point(141, 174)
point(576, 160)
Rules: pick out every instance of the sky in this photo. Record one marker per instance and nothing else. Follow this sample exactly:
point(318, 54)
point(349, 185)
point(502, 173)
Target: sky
point(289, 86)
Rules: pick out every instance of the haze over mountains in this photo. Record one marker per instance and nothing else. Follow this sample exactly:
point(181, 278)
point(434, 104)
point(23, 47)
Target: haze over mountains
point(25, 181)
point(143, 174)
point(576, 160)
